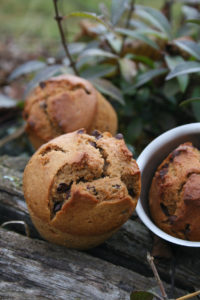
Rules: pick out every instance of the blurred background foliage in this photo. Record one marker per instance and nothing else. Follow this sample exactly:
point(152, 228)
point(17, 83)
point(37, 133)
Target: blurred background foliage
point(33, 19)
point(144, 59)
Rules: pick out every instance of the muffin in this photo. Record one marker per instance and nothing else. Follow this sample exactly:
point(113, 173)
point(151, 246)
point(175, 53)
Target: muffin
point(174, 197)
point(64, 104)
point(81, 188)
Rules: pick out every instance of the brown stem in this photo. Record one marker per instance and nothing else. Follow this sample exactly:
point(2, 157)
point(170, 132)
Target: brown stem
point(157, 277)
point(59, 19)
point(127, 25)
point(12, 136)
point(167, 9)
point(27, 230)
point(189, 296)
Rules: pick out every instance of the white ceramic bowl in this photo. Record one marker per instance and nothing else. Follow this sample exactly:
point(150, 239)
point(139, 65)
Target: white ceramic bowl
point(150, 159)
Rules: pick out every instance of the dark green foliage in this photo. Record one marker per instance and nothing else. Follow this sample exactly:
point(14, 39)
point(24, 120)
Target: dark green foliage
point(132, 55)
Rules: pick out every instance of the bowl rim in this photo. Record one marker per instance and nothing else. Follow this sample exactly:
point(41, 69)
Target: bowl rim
point(141, 161)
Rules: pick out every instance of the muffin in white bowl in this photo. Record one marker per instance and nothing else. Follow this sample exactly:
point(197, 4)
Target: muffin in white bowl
point(149, 161)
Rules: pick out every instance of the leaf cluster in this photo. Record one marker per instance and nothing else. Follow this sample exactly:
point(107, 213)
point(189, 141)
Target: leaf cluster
point(132, 55)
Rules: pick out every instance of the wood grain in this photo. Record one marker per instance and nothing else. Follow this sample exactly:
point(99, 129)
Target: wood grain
point(126, 250)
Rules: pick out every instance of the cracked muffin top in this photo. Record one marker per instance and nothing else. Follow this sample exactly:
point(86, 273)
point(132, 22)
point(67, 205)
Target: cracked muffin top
point(174, 196)
point(63, 104)
point(82, 185)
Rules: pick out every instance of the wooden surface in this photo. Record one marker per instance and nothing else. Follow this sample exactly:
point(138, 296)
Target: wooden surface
point(34, 269)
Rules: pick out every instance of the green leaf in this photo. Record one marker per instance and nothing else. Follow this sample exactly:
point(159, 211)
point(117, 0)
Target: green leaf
point(20, 105)
point(134, 129)
point(172, 62)
point(128, 69)
point(98, 52)
point(139, 36)
point(117, 9)
point(194, 21)
point(7, 102)
point(196, 109)
point(146, 77)
point(138, 24)
point(88, 15)
point(114, 41)
point(143, 59)
point(184, 68)
point(151, 32)
point(141, 295)
point(196, 104)
point(131, 148)
point(98, 71)
point(189, 46)
point(190, 12)
point(42, 75)
point(76, 48)
point(183, 82)
point(155, 17)
point(28, 67)
point(107, 88)
point(189, 101)
point(170, 89)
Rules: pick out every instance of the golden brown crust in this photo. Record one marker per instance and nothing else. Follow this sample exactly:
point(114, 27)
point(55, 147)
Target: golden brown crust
point(81, 186)
point(63, 104)
point(174, 196)
point(105, 118)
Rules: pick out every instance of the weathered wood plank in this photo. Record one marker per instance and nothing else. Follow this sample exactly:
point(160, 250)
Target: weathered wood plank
point(40, 270)
point(128, 247)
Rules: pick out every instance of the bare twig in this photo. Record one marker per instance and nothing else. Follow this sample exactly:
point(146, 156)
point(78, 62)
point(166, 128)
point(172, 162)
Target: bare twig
point(189, 296)
point(59, 19)
point(167, 9)
point(27, 231)
point(127, 25)
point(157, 277)
point(12, 136)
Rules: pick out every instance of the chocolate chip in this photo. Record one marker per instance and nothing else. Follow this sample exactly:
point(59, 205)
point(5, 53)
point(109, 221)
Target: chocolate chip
point(119, 136)
point(57, 206)
point(81, 131)
point(163, 171)
point(92, 189)
point(186, 231)
point(42, 84)
point(131, 193)
point(93, 144)
point(97, 134)
point(81, 179)
point(187, 228)
point(172, 219)
point(117, 186)
point(43, 104)
point(174, 154)
point(68, 194)
point(31, 124)
point(26, 115)
point(62, 188)
point(164, 209)
point(87, 92)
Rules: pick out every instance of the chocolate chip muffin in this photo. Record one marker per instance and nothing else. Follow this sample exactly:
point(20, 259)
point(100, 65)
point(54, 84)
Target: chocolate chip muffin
point(174, 196)
point(81, 188)
point(63, 104)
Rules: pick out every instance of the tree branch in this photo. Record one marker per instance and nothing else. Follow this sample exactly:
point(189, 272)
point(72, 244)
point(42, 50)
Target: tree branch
point(12, 136)
point(189, 296)
point(157, 277)
point(59, 19)
point(127, 25)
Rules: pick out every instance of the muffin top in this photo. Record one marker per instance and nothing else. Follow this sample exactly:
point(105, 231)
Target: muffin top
point(60, 104)
point(174, 196)
point(90, 183)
